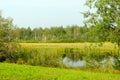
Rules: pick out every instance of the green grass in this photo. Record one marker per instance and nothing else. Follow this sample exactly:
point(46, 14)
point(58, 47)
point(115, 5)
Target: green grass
point(26, 72)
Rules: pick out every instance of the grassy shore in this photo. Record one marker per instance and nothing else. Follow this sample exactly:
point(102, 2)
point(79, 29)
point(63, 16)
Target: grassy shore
point(26, 72)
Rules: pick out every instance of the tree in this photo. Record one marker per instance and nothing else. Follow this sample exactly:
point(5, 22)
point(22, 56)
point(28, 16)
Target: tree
point(69, 32)
point(7, 48)
point(28, 33)
point(104, 14)
point(5, 29)
point(57, 33)
point(37, 33)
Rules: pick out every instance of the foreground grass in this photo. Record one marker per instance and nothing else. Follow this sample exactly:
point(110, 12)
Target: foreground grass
point(26, 72)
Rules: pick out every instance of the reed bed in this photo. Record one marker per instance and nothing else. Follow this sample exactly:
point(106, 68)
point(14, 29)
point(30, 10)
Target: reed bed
point(51, 54)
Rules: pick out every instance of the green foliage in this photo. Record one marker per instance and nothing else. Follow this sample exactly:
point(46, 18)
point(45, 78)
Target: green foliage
point(105, 15)
point(114, 36)
point(57, 34)
point(8, 49)
point(69, 34)
point(117, 64)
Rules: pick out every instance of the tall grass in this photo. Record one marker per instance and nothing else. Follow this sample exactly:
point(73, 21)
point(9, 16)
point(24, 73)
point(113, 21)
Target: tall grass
point(50, 54)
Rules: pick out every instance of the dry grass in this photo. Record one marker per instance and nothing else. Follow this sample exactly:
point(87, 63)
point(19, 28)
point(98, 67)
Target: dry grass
point(72, 45)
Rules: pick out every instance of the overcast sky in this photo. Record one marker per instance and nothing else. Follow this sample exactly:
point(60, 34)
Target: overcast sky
point(44, 13)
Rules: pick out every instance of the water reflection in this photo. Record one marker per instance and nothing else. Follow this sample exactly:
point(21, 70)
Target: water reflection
point(70, 63)
point(108, 62)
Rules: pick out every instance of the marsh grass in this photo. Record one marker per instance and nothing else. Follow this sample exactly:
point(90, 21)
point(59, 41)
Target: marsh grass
point(51, 54)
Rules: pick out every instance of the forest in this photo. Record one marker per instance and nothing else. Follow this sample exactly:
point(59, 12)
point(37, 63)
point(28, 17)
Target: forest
point(59, 34)
point(56, 34)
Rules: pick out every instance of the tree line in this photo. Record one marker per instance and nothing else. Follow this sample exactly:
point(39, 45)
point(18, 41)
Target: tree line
point(73, 33)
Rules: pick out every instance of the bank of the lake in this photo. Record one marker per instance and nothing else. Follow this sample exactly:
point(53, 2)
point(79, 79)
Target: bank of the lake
point(26, 72)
